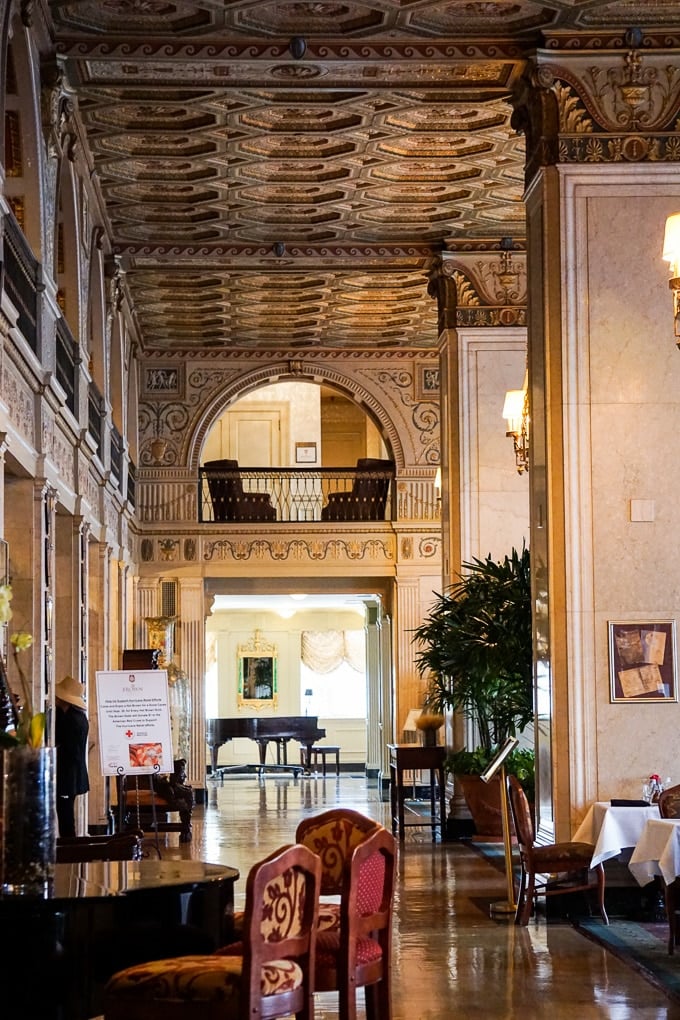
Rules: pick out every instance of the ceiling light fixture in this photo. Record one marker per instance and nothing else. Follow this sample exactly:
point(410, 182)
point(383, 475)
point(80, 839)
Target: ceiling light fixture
point(671, 254)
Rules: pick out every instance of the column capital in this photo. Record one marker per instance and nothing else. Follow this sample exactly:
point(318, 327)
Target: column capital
point(489, 279)
point(618, 104)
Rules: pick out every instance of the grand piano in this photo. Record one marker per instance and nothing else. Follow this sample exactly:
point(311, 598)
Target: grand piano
point(279, 729)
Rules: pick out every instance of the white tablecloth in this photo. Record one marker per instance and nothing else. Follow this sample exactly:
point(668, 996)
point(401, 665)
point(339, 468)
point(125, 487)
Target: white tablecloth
point(657, 852)
point(611, 829)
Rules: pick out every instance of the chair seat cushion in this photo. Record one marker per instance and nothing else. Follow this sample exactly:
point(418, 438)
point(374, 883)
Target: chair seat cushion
point(328, 950)
point(213, 978)
point(571, 855)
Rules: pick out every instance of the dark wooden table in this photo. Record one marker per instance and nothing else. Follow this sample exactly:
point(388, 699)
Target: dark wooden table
point(417, 758)
point(98, 917)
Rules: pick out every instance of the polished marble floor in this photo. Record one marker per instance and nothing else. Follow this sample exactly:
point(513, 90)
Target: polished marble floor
point(451, 959)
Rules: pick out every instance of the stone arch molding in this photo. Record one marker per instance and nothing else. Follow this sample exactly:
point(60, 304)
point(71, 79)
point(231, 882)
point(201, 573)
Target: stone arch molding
point(235, 388)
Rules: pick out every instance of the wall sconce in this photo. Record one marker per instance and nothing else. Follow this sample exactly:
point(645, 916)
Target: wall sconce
point(438, 483)
point(671, 254)
point(516, 414)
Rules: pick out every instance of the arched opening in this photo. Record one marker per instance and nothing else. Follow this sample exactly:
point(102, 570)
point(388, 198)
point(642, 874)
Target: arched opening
point(294, 422)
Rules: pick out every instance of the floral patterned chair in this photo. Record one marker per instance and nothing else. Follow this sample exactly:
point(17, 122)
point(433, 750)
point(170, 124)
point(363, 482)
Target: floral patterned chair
point(271, 975)
point(357, 953)
point(333, 836)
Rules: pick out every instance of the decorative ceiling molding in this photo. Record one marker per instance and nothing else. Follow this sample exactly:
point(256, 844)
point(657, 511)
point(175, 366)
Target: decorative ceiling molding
point(285, 177)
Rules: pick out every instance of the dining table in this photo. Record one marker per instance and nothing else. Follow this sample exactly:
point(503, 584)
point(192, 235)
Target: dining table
point(657, 851)
point(657, 855)
point(612, 828)
point(96, 917)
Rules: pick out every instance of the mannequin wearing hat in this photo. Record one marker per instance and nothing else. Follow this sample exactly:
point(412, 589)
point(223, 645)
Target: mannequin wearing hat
point(71, 729)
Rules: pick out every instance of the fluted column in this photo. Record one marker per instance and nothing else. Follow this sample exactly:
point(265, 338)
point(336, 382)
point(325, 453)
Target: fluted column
point(192, 661)
point(375, 738)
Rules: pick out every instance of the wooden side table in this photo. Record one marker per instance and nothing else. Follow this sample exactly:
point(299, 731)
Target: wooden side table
point(417, 758)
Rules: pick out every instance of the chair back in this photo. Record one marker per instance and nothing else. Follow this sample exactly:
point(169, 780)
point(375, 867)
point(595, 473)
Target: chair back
point(669, 802)
point(225, 488)
point(366, 904)
point(370, 492)
point(521, 814)
point(333, 835)
point(279, 923)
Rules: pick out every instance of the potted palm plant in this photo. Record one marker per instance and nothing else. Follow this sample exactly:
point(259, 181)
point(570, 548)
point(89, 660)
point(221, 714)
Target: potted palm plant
point(475, 650)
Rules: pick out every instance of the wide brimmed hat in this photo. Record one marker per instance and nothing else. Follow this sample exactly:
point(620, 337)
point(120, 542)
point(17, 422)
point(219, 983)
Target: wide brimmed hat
point(71, 690)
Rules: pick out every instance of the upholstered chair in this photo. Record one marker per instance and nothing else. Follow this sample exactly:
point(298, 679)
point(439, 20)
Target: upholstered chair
point(368, 496)
point(269, 975)
point(229, 499)
point(333, 835)
point(554, 859)
point(357, 953)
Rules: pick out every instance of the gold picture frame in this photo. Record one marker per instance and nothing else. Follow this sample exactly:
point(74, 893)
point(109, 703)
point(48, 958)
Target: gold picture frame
point(257, 674)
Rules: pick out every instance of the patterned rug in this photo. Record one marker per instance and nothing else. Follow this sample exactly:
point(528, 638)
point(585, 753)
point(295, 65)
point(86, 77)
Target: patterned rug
point(643, 946)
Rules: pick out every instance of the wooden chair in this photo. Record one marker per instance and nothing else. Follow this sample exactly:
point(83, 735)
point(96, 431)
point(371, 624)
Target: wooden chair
point(560, 859)
point(122, 846)
point(367, 498)
point(229, 499)
point(669, 807)
point(357, 954)
point(669, 802)
point(269, 975)
point(333, 836)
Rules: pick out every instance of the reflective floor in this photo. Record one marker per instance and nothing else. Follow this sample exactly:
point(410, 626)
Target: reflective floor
point(451, 959)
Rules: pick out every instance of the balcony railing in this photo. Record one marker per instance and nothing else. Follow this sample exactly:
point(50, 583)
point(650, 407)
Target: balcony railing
point(245, 494)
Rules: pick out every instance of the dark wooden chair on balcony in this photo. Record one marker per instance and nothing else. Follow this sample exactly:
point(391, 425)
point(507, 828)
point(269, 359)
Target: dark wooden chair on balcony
point(229, 499)
point(366, 500)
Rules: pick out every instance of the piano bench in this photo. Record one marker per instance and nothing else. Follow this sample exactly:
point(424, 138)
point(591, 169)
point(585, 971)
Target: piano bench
point(321, 751)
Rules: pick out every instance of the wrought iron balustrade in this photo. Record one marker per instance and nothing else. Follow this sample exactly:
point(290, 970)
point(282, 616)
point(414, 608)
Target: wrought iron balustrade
point(249, 494)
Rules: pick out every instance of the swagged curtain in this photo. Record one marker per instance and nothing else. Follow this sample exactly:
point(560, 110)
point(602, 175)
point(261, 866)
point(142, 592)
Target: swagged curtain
point(325, 650)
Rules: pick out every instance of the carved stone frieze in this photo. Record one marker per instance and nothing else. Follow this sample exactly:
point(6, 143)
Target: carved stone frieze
point(62, 455)
point(20, 401)
point(364, 549)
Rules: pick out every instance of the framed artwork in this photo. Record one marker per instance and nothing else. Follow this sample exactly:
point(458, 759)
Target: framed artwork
point(426, 380)
point(257, 674)
point(305, 453)
point(643, 661)
point(162, 381)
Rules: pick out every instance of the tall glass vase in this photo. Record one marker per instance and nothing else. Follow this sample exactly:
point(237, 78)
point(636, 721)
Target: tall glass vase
point(28, 801)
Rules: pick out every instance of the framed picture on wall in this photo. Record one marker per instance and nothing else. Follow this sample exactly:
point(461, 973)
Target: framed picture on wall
point(305, 453)
point(643, 661)
point(257, 674)
point(426, 380)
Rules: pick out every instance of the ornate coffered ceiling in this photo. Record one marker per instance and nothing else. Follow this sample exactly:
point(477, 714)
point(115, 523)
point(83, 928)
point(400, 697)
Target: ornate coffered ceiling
point(282, 175)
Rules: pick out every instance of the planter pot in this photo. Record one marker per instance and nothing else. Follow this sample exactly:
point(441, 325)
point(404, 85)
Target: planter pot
point(484, 804)
point(28, 799)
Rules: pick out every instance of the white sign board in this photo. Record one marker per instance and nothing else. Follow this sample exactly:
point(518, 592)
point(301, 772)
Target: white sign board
point(134, 721)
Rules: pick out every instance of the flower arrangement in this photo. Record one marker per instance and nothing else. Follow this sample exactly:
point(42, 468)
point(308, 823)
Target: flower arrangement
point(30, 730)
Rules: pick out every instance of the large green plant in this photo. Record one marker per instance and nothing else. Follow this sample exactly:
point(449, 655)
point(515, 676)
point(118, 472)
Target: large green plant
point(476, 648)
